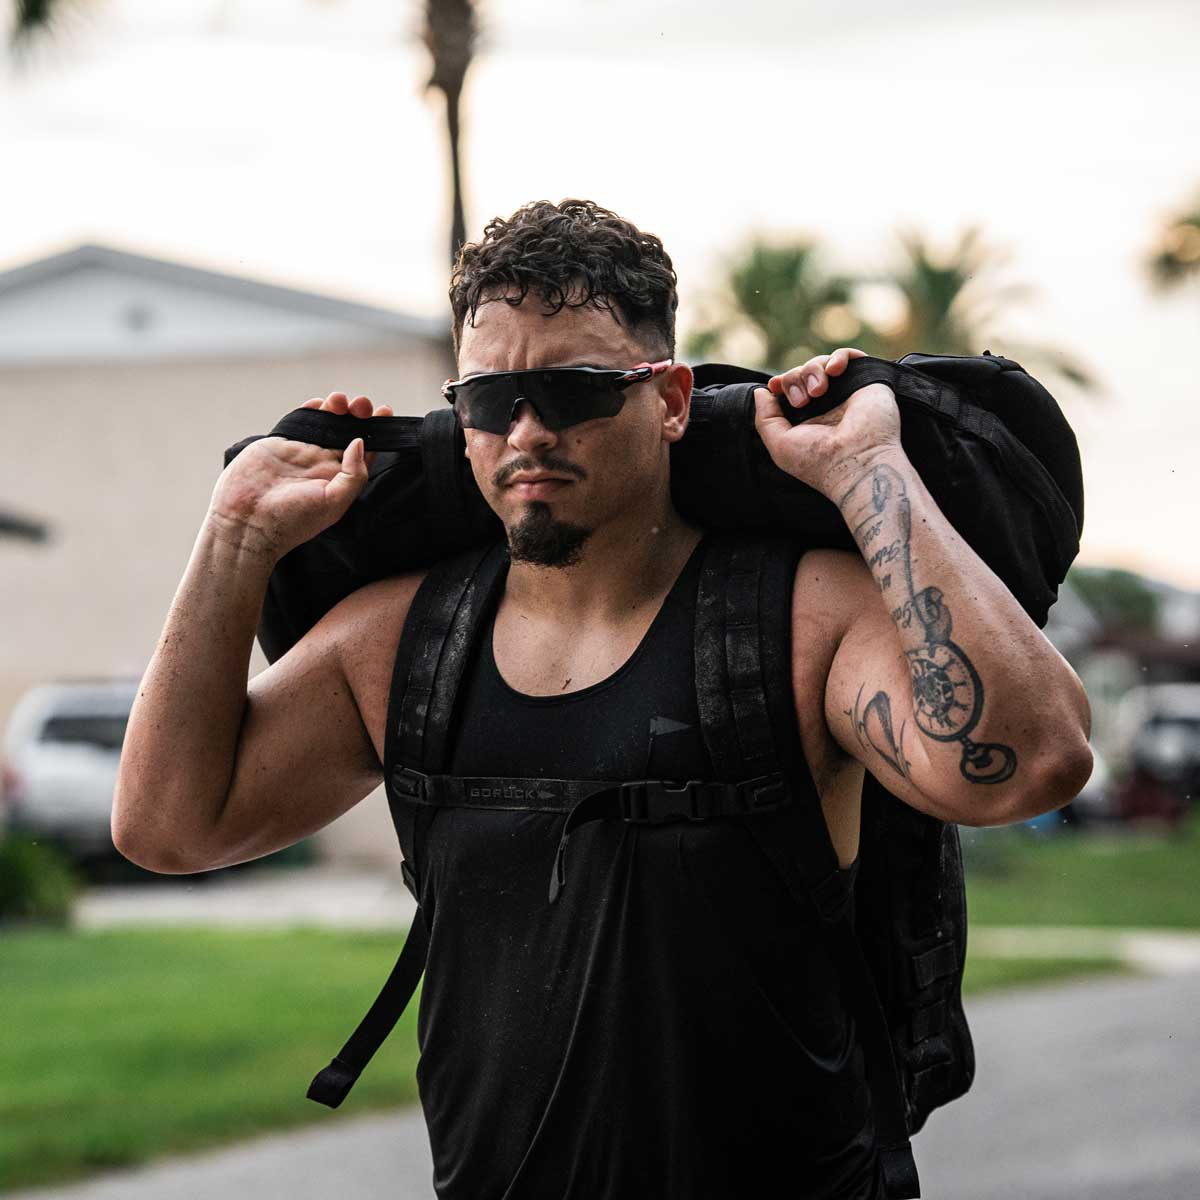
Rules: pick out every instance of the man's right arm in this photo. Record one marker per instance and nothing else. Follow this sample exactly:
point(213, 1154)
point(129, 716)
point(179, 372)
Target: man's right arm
point(214, 771)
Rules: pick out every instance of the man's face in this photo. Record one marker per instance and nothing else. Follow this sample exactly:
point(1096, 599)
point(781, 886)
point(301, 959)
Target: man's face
point(553, 489)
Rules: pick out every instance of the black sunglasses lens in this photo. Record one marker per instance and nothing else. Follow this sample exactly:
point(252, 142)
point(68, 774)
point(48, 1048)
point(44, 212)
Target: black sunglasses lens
point(561, 397)
point(486, 404)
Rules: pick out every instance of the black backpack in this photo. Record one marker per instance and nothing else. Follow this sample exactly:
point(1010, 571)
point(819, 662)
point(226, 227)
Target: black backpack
point(997, 455)
point(989, 442)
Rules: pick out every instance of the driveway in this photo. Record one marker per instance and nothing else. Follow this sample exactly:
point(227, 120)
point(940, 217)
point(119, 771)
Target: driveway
point(1086, 1091)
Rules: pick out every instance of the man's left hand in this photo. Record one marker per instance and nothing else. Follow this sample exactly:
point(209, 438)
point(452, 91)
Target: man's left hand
point(824, 450)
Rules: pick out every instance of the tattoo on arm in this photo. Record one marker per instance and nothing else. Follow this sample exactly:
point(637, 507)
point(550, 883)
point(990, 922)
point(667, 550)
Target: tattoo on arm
point(948, 694)
point(873, 726)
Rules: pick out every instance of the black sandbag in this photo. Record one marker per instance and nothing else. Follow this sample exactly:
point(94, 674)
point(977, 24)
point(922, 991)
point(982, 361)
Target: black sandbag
point(989, 442)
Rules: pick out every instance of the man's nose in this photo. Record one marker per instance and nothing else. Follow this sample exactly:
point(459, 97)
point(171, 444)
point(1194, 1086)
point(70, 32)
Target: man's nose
point(527, 431)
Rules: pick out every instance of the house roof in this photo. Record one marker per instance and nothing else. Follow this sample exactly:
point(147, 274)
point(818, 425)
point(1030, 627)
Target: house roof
point(90, 255)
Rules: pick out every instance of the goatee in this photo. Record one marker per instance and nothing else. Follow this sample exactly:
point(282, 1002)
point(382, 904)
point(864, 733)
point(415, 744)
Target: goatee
point(541, 541)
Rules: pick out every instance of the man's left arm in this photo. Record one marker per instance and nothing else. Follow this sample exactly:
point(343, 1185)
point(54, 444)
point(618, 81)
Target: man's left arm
point(941, 684)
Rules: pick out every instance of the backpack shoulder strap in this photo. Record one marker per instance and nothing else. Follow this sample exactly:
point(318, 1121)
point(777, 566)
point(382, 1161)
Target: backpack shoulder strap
point(747, 715)
point(434, 649)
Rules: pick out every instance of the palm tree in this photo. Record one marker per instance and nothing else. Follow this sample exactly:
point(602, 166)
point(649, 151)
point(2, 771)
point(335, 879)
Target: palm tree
point(944, 301)
point(450, 34)
point(938, 304)
point(780, 296)
point(1176, 258)
point(948, 304)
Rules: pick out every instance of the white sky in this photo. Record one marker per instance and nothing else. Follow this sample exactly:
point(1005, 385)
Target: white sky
point(290, 140)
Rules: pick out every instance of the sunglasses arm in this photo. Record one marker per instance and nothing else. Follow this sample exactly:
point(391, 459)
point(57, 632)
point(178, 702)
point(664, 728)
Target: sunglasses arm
point(645, 371)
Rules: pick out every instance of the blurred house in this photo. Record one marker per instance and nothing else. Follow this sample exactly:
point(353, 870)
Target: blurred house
point(122, 380)
point(1135, 642)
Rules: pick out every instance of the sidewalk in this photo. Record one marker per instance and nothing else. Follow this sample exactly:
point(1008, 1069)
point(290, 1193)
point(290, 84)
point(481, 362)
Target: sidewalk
point(370, 898)
point(337, 897)
point(1156, 951)
point(360, 1158)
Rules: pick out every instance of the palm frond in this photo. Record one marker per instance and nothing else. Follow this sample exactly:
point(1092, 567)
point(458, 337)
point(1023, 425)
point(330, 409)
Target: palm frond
point(450, 34)
point(30, 18)
point(27, 529)
point(1176, 258)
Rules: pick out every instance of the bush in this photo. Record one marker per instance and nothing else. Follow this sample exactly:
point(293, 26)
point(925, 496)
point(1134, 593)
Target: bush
point(36, 882)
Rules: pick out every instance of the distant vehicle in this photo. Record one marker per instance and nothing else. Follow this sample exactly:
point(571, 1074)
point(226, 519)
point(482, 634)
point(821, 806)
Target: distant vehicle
point(60, 754)
point(1161, 724)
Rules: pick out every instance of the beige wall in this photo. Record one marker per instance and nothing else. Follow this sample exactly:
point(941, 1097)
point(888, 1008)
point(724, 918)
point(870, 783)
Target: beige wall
point(120, 460)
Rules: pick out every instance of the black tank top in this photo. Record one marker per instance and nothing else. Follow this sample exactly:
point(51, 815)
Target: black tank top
point(669, 1029)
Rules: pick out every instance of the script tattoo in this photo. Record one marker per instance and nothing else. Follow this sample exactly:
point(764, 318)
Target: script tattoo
point(947, 691)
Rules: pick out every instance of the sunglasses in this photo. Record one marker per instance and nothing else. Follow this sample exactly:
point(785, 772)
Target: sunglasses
point(561, 396)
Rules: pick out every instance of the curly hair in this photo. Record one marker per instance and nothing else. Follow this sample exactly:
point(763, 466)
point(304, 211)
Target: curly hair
point(570, 254)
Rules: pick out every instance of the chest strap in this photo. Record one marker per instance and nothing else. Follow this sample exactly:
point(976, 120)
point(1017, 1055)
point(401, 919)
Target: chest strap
point(332, 1084)
point(655, 802)
point(641, 801)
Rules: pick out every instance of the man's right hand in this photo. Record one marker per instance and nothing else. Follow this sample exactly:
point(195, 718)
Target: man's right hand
point(278, 493)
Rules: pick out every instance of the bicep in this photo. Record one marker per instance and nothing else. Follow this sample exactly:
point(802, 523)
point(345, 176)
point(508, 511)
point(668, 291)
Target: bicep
point(305, 755)
point(868, 705)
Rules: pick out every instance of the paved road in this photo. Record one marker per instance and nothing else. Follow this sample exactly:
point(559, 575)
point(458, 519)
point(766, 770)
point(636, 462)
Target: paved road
point(1088, 1091)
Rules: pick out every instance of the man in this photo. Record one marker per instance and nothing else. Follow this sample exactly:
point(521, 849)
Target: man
point(671, 1026)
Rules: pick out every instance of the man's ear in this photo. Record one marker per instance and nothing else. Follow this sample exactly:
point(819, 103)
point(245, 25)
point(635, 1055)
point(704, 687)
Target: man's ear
point(676, 393)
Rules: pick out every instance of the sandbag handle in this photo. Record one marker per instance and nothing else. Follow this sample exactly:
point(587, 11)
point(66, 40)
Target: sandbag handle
point(335, 431)
point(904, 381)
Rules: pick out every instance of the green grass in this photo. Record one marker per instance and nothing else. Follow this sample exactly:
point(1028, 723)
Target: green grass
point(119, 1046)
point(993, 974)
point(125, 1045)
point(1113, 880)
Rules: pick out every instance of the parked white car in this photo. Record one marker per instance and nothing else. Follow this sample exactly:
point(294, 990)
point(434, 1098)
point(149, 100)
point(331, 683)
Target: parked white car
point(61, 749)
point(1160, 725)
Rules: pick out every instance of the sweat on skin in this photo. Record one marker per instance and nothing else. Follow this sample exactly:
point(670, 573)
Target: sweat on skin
point(910, 659)
point(208, 792)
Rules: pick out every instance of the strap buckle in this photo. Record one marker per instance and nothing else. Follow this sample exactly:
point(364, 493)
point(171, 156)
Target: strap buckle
point(655, 801)
point(764, 793)
point(408, 782)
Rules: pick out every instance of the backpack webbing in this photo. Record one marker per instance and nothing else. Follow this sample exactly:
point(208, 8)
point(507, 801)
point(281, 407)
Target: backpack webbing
point(742, 653)
point(747, 714)
point(430, 661)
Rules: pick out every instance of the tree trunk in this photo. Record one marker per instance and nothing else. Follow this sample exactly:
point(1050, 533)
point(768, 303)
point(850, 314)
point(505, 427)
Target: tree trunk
point(458, 224)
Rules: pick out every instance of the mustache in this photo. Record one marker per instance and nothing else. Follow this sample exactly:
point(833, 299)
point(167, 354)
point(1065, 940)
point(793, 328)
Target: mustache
point(527, 463)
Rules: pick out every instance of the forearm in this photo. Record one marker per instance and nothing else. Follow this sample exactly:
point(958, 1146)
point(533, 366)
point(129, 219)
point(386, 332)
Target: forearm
point(996, 722)
point(181, 742)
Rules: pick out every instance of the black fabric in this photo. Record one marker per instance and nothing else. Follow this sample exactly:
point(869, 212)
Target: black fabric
point(333, 1083)
point(999, 460)
point(744, 672)
point(672, 1026)
point(911, 922)
point(990, 443)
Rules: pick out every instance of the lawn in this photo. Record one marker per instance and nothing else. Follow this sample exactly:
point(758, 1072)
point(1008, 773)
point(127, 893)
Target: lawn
point(120, 1046)
point(123, 1045)
point(1126, 879)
